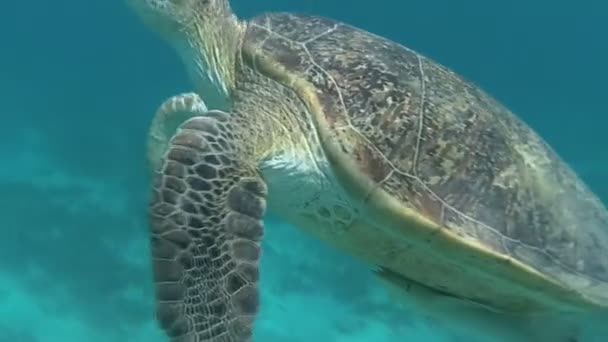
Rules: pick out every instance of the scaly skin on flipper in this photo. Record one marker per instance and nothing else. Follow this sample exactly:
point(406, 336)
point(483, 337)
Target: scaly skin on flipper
point(206, 225)
point(171, 113)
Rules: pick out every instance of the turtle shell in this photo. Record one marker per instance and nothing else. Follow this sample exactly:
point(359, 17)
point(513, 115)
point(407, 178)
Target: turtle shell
point(466, 197)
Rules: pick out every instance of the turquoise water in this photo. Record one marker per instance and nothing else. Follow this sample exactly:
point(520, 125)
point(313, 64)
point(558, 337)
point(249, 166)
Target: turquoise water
point(79, 81)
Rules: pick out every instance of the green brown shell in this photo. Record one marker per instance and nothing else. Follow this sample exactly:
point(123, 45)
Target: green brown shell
point(450, 155)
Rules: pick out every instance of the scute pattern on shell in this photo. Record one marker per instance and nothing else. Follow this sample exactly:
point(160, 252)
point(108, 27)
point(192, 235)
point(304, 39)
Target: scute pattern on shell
point(443, 147)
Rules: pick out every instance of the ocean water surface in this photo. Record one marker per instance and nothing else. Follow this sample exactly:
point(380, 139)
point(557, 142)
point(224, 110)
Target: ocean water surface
point(80, 80)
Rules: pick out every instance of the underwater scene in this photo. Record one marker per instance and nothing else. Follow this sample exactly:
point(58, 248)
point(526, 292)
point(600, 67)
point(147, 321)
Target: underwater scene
point(80, 82)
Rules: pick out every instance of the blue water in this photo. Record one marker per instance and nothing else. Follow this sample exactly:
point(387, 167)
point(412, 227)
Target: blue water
point(79, 81)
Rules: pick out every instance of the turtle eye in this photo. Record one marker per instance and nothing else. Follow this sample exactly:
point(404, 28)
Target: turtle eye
point(203, 3)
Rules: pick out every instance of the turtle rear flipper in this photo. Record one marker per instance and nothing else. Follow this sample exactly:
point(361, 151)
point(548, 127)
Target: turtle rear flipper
point(206, 228)
point(474, 321)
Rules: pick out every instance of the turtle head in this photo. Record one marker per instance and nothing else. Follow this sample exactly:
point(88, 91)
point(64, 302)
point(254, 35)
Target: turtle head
point(205, 33)
point(173, 17)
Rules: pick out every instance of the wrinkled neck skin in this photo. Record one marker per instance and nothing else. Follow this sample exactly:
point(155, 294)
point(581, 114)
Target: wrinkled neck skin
point(208, 47)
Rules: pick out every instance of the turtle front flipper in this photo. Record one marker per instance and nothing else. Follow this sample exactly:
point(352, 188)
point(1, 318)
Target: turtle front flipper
point(206, 226)
point(171, 113)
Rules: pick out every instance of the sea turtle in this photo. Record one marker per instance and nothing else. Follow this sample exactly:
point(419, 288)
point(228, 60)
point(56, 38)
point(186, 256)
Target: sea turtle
point(372, 147)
